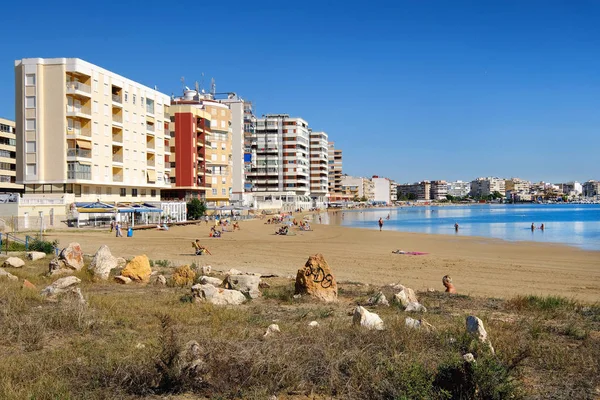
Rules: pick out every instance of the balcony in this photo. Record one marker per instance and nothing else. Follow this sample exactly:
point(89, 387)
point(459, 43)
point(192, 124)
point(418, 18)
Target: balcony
point(151, 162)
point(118, 178)
point(78, 88)
point(117, 138)
point(150, 109)
point(83, 153)
point(79, 175)
point(117, 120)
point(150, 128)
point(117, 158)
point(79, 112)
point(150, 146)
point(117, 100)
point(79, 132)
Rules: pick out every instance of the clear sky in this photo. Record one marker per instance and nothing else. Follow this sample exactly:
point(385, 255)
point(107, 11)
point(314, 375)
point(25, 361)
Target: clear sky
point(411, 90)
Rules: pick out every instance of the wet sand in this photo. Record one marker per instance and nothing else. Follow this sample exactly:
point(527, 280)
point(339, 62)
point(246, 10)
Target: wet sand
point(478, 266)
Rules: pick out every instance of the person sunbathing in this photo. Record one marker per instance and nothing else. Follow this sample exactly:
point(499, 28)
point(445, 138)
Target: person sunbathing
point(200, 250)
point(236, 226)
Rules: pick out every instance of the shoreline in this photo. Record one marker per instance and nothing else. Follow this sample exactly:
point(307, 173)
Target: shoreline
point(479, 265)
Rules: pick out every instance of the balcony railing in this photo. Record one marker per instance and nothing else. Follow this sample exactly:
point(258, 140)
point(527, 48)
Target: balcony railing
point(79, 175)
point(151, 162)
point(117, 178)
point(79, 110)
point(79, 153)
point(150, 145)
point(82, 87)
point(150, 128)
point(79, 132)
point(117, 138)
point(149, 109)
point(117, 158)
point(117, 98)
point(117, 118)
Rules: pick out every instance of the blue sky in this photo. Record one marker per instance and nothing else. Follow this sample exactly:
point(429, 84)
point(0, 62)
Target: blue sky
point(408, 89)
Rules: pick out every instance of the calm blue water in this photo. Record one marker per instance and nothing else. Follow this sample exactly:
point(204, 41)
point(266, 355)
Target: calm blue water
point(572, 224)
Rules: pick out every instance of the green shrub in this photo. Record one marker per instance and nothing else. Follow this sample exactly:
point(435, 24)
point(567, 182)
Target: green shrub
point(43, 246)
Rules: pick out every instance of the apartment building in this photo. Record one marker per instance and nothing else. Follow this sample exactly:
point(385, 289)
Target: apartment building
point(393, 191)
point(249, 128)
point(573, 188)
point(381, 189)
point(415, 191)
point(483, 187)
point(438, 190)
point(241, 120)
point(8, 157)
point(87, 131)
point(459, 188)
point(280, 150)
point(517, 185)
point(335, 173)
point(319, 174)
point(591, 188)
point(353, 187)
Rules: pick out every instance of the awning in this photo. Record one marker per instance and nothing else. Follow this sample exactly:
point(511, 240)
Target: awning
point(84, 144)
point(95, 207)
point(151, 175)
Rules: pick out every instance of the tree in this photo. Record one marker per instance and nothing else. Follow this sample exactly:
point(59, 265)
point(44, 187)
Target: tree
point(412, 196)
point(195, 209)
point(364, 198)
point(497, 195)
point(450, 198)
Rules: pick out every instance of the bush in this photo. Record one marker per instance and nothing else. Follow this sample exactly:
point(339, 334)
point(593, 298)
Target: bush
point(195, 209)
point(43, 246)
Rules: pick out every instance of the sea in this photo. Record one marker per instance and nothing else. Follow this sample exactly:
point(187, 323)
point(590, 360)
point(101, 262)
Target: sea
point(571, 224)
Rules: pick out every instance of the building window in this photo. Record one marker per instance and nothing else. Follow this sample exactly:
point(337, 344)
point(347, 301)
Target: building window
point(30, 124)
point(30, 147)
point(106, 89)
point(134, 192)
point(29, 101)
point(31, 169)
point(214, 192)
point(223, 191)
point(109, 191)
point(30, 80)
point(95, 128)
point(133, 100)
point(95, 107)
point(153, 193)
point(123, 192)
point(98, 190)
point(106, 110)
point(143, 193)
point(126, 97)
point(96, 85)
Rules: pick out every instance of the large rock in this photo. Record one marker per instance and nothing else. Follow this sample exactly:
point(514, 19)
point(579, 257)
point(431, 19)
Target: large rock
point(60, 286)
point(475, 328)
point(35, 255)
point(316, 279)
point(138, 269)
point(365, 318)
point(272, 330)
point(206, 270)
point(183, 276)
point(7, 275)
point(405, 296)
point(415, 306)
point(217, 296)
point(378, 299)
point(13, 262)
point(72, 256)
point(418, 324)
point(103, 262)
point(247, 284)
point(209, 280)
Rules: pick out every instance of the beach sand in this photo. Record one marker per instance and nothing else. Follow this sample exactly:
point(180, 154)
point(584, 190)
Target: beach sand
point(478, 266)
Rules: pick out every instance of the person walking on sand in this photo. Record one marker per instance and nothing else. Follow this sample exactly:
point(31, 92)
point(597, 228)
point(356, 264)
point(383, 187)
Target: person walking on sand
point(112, 226)
point(206, 219)
point(118, 230)
point(319, 219)
point(380, 224)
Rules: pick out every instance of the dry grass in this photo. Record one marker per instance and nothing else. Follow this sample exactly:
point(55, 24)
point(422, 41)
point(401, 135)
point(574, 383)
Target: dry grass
point(124, 344)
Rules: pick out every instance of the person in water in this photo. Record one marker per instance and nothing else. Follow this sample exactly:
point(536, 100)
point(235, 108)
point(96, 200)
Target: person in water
point(456, 227)
point(380, 224)
point(532, 227)
point(542, 227)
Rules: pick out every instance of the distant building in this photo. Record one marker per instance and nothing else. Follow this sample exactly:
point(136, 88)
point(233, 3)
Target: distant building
point(459, 188)
point(335, 172)
point(483, 187)
point(393, 191)
point(572, 188)
point(438, 190)
point(353, 186)
point(319, 174)
point(517, 185)
point(381, 190)
point(8, 157)
point(417, 191)
point(591, 188)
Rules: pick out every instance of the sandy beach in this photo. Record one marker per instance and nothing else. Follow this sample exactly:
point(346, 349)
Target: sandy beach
point(478, 266)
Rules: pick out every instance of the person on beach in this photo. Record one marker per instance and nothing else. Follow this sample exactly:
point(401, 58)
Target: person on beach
point(456, 227)
point(319, 219)
point(380, 224)
point(532, 227)
point(206, 219)
point(112, 226)
point(118, 230)
point(542, 227)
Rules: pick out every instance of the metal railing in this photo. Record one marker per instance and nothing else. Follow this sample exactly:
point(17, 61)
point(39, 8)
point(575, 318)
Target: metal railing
point(79, 175)
point(150, 162)
point(82, 87)
point(117, 118)
point(117, 178)
point(79, 153)
point(117, 157)
point(79, 132)
point(150, 127)
point(117, 98)
point(79, 110)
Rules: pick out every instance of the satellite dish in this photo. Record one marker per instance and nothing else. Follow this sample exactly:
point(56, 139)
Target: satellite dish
point(187, 88)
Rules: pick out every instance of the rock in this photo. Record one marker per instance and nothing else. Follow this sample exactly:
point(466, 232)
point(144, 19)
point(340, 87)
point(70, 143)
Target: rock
point(431, 290)
point(161, 280)
point(124, 280)
point(396, 286)
point(313, 324)
point(72, 256)
point(247, 284)
point(217, 296)
point(28, 285)
point(415, 307)
point(183, 276)
point(447, 281)
point(272, 329)
point(75, 294)
point(13, 262)
point(103, 262)
point(405, 296)
point(206, 270)
point(367, 319)
point(475, 328)
point(138, 269)
point(418, 324)
point(60, 286)
point(7, 275)
point(208, 280)
point(378, 299)
point(297, 296)
point(263, 285)
point(140, 346)
point(316, 280)
point(469, 358)
point(35, 255)
point(234, 271)
point(121, 262)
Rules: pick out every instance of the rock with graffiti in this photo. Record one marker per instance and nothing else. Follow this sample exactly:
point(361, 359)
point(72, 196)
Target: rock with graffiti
point(316, 279)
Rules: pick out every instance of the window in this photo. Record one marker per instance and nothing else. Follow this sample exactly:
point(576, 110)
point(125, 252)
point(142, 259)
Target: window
point(223, 113)
point(96, 150)
point(106, 130)
point(223, 157)
point(98, 190)
point(30, 124)
point(213, 111)
point(95, 128)
point(133, 101)
point(106, 169)
point(30, 147)
point(134, 192)
point(106, 110)
point(123, 192)
point(223, 146)
point(29, 101)
point(96, 85)
point(31, 169)
point(126, 116)
point(214, 192)
point(95, 107)
point(223, 191)
point(126, 97)
point(106, 89)
point(30, 80)
point(213, 157)
point(143, 193)
point(153, 193)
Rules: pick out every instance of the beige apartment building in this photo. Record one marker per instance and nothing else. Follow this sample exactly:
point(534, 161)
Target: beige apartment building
point(219, 159)
point(319, 175)
point(8, 157)
point(88, 132)
point(335, 173)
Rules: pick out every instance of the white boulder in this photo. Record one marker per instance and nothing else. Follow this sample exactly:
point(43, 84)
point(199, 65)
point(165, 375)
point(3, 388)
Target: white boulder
point(13, 262)
point(475, 328)
point(365, 318)
point(415, 307)
point(217, 296)
point(247, 284)
point(209, 280)
point(61, 285)
point(206, 270)
point(35, 255)
point(103, 262)
point(271, 330)
point(7, 275)
point(378, 299)
point(313, 324)
point(405, 296)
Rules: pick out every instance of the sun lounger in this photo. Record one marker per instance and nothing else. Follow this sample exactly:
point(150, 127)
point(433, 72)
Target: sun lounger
point(410, 253)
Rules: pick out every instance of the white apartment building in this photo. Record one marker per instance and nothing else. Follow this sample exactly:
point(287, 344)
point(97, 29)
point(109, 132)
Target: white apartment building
point(572, 188)
point(319, 174)
point(88, 132)
point(482, 187)
point(280, 156)
point(459, 188)
point(381, 189)
point(237, 106)
point(8, 157)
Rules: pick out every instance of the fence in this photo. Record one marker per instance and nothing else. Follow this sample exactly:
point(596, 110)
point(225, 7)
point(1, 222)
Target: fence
point(7, 238)
point(30, 223)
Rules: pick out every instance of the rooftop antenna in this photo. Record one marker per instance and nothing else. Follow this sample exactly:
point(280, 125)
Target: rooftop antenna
point(202, 81)
point(213, 86)
point(182, 83)
point(197, 87)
